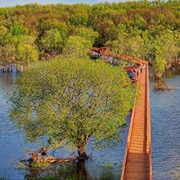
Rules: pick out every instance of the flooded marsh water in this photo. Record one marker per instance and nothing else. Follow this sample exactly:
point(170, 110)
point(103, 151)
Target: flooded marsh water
point(105, 164)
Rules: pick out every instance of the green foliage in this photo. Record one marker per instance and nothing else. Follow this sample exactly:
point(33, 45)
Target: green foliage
point(64, 31)
point(19, 50)
point(87, 33)
point(51, 41)
point(79, 15)
point(26, 54)
point(77, 46)
point(10, 39)
point(3, 32)
point(159, 64)
point(129, 45)
point(70, 100)
point(8, 54)
point(166, 49)
point(27, 51)
point(79, 19)
point(18, 30)
point(133, 28)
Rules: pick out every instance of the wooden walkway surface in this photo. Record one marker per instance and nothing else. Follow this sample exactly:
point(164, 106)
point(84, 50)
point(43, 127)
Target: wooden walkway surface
point(138, 160)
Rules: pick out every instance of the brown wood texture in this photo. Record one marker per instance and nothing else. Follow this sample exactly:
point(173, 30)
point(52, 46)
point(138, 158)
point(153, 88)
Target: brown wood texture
point(138, 160)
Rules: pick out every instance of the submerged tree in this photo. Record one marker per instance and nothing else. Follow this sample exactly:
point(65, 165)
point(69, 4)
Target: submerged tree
point(69, 100)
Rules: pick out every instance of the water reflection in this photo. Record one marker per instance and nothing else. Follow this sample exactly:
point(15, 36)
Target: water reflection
point(172, 72)
point(74, 171)
point(7, 79)
point(161, 84)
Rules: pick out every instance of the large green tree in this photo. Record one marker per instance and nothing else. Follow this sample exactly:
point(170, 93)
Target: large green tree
point(26, 51)
point(87, 33)
point(52, 41)
point(166, 51)
point(77, 46)
point(68, 101)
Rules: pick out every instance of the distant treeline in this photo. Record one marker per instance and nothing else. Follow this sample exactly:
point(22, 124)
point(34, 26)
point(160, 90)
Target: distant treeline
point(146, 30)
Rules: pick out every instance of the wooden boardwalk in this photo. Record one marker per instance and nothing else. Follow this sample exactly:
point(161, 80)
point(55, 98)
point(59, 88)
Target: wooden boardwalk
point(138, 160)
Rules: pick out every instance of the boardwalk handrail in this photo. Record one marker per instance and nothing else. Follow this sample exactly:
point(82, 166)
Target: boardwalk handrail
point(149, 123)
point(104, 51)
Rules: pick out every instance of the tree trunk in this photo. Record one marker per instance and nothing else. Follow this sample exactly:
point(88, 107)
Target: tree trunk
point(82, 172)
point(82, 153)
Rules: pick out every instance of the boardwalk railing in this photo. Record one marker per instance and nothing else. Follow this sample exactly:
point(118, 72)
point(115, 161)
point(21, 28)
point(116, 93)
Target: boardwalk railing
point(149, 121)
point(138, 156)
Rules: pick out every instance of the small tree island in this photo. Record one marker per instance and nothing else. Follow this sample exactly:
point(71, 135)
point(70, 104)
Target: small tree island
point(70, 100)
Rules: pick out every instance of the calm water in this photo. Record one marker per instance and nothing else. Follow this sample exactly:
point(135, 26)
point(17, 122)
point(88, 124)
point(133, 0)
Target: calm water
point(106, 164)
point(165, 122)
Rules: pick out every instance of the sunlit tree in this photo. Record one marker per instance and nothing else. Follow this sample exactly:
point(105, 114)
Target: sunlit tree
point(51, 41)
point(70, 100)
point(77, 46)
point(87, 33)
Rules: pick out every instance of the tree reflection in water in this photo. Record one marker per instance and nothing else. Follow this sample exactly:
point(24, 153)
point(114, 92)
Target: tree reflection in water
point(69, 171)
point(161, 85)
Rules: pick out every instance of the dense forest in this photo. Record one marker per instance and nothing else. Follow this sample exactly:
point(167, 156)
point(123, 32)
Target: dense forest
point(146, 30)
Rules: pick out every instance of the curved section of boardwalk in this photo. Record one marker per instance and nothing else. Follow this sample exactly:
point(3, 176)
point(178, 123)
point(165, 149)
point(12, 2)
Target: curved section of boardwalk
point(138, 161)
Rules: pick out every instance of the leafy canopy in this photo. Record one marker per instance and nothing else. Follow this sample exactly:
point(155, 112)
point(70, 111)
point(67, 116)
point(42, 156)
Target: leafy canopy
point(77, 46)
point(70, 100)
